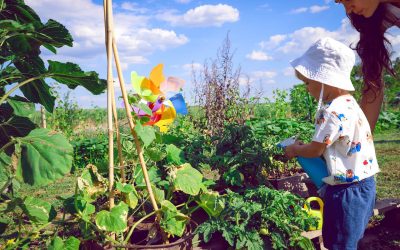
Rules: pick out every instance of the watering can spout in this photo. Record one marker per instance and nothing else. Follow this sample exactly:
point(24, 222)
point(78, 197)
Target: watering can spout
point(318, 213)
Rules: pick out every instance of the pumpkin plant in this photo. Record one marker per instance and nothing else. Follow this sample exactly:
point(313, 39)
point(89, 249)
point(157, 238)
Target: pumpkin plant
point(179, 190)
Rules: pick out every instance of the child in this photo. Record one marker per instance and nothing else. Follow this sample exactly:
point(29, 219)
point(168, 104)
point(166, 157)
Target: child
point(343, 136)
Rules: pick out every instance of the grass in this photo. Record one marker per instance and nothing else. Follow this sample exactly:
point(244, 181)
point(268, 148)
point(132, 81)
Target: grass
point(387, 147)
point(63, 187)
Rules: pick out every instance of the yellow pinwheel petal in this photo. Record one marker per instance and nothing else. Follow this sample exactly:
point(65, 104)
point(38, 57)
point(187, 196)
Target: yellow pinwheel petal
point(167, 118)
point(156, 75)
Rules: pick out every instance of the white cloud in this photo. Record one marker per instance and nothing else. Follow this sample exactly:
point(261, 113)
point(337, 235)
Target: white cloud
point(129, 6)
point(299, 10)
point(300, 40)
point(313, 9)
point(273, 41)
point(84, 20)
point(317, 8)
point(202, 16)
point(259, 56)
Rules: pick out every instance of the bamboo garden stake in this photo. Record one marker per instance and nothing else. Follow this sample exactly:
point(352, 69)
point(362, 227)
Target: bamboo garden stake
point(110, 85)
point(108, 16)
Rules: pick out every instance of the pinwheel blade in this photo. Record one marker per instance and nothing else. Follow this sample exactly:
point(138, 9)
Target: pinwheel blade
point(179, 104)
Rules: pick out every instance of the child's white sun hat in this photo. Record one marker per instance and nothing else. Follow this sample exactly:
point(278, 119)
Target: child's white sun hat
point(329, 62)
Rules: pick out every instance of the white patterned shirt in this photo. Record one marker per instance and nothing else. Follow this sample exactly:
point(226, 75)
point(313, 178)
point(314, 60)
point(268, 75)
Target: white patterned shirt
point(350, 153)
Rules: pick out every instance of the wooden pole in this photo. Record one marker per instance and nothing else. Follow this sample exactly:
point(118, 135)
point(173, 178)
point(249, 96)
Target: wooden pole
point(121, 160)
point(110, 86)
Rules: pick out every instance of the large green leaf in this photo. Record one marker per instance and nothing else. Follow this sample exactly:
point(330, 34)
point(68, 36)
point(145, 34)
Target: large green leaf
point(18, 10)
point(15, 126)
point(71, 75)
point(71, 243)
point(174, 155)
point(173, 221)
point(21, 106)
point(5, 162)
point(38, 211)
point(154, 176)
point(115, 220)
point(36, 91)
point(45, 157)
point(130, 195)
point(145, 133)
point(55, 34)
point(212, 203)
point(187, 179)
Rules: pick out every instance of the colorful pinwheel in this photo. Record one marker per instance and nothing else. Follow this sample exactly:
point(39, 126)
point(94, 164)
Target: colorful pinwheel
point(161, 97)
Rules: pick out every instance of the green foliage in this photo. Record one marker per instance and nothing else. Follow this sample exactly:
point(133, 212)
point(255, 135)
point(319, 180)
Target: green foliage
point(115, 220)
point(90, 151)
point(57, 243)
point(173, 221)
point(45, 157)
point(302, 104)
point(276, 107)
point(388, 120)
point(262, 208)
point(37, 210)
point(187, 179)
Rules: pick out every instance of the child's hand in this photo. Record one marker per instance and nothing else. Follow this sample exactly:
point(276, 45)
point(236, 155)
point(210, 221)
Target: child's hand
point(290, 151)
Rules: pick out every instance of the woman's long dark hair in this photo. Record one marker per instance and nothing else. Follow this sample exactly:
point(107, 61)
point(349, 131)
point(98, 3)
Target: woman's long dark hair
point(374, 48)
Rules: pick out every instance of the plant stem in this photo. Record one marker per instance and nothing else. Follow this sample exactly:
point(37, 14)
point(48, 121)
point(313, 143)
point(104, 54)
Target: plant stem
point(6, 185)
point(128, 236)
point(193, 209)
point(3, 98)
point(7, 145)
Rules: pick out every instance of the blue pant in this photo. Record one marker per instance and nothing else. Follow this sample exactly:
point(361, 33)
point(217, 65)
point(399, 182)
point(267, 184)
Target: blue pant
point(347, 209)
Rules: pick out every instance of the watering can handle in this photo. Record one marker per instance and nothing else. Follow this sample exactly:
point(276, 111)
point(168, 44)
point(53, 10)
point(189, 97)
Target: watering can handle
point(317, 199)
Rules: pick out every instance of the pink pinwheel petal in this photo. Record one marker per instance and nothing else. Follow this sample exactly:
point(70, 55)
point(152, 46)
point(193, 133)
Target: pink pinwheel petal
point(138, 111)
point(172, 84)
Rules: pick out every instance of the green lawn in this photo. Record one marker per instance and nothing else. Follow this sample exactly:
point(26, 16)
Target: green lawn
point(63, 187)
point(387, 147)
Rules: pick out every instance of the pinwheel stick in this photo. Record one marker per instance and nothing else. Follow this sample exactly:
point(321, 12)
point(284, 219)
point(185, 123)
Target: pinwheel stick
point(111, 43)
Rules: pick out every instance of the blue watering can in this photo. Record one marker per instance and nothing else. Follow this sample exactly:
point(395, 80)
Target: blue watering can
point(315, 168)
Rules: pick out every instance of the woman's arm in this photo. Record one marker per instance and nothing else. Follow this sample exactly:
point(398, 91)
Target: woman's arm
point(371, 103)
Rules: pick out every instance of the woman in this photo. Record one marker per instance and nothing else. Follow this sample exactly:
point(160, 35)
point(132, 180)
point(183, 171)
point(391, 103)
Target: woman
point(371, 18)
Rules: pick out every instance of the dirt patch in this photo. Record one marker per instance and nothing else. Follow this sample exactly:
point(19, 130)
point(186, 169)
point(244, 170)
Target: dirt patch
point(383, 235)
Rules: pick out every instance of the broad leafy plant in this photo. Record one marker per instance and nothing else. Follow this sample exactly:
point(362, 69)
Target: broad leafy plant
point(36, 156)
point(29, 154)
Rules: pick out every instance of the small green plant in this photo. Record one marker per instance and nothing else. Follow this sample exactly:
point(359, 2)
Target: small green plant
point(261, 218)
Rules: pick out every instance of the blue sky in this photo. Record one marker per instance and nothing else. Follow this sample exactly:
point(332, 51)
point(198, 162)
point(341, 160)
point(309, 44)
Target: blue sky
point(265, 35)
